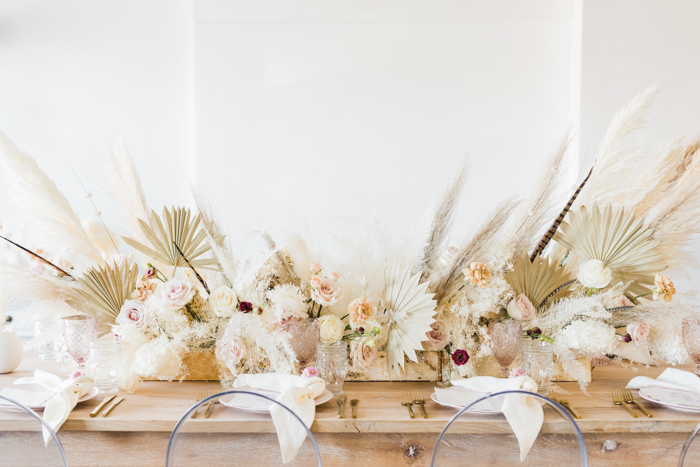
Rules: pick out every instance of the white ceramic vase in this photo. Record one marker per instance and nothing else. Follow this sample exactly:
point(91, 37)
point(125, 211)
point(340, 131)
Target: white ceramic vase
point(10, 350)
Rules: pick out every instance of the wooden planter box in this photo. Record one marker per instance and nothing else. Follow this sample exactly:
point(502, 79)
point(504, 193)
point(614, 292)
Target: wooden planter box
point(201, 366)
point(490, 367)
point(428, 368)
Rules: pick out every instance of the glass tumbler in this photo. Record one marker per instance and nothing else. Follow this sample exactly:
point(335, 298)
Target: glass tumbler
point(505, 339)
point(691, 339)
point(332, 365)
point(103, 366)
point(78, 332)
point(537, 361)
point(304, 336)
point(46, 333)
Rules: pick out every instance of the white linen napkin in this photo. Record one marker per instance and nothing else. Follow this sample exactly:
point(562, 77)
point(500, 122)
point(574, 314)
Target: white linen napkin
point(298, 394)
point(524, 413)
point(671, 378)
point(66, 395)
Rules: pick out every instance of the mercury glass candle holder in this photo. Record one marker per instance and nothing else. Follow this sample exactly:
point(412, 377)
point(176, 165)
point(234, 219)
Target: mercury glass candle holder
point(78, 332)
point(691, 339)
point(505, 339)
point(304, 337)
point(332, 365)
point(537, 361)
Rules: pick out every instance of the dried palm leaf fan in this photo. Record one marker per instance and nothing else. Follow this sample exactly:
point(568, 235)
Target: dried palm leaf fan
point(176, 230)
point(622, 243)
point(104, 289)
point(540, 280)
point(410, 310)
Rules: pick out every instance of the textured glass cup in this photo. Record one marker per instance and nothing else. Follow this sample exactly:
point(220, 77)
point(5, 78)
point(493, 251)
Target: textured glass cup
point(304, 336)
point(103, 366)
point(332, 365)
point(505, 342)
point(537, 361)
point(691, 339)
point(46, 332)
point(78, 332)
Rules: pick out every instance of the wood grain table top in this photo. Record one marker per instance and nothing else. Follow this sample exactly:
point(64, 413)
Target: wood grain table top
point(157, 406)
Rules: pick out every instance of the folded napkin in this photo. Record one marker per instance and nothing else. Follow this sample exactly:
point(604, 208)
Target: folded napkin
point(671, 378)
point(298, 394)
point(524, 413)
point(65, 396)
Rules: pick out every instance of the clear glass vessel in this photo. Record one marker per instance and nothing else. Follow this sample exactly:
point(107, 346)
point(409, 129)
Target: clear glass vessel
point(46, 332)
point(537, 361)
point(78, 332)
point(103, 366)
point(691, 339)
point(332, 365)
point(505, 342)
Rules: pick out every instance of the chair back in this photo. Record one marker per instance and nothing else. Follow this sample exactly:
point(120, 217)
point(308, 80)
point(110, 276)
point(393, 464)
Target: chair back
point(23, 444)
point(693, 456)
point(480, 434)
point(233, 436)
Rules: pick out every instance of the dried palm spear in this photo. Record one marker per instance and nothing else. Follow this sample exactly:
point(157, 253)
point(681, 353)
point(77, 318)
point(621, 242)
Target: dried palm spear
point(540, 280)
point(104, 289)
point(622, 243)
point(178, 227)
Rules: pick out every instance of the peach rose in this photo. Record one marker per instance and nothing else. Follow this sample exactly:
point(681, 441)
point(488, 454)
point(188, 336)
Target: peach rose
point(477, 274)
point(437, 338)
point(360, 310)
point(132, 313)
point(144, 289)
point(620, 301)
point(230, 350)
point(521, 308)
point(639, 331)
point(315, 268)
point(315, 281)
point(664, 288)
point(327, 293)
point(334, 276)
point(363, 353)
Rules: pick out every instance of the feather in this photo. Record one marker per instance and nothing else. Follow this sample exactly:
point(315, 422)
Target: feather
point(51, 220)
point(211, 218)
point(199, 278)
point(60, 271)
point(285, 269)
point(557, 222)
point(570, 364)
point(126, 190)
point(26, 286)
point(442, 220)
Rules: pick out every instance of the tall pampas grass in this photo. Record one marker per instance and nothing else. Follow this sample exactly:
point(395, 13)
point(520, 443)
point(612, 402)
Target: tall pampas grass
point(51, 222)
point(212, 220)
point(441, 222)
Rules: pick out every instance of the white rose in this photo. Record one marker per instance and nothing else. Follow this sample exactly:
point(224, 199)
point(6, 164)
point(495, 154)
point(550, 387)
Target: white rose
point(223, 301)
point(593, 274)
point(331, 328)
point(230, 350)
point(178, 292)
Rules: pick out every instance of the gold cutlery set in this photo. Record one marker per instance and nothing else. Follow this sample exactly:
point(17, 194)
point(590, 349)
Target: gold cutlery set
point(104, 402)
point(568, 407)
point(201, 395)
point(341, 406)
point(624, 397)
point(408, 399)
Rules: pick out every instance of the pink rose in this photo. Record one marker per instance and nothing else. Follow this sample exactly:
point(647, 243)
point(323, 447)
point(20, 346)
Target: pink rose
point(327, 292)
point(437, 338)
point(639, 331)
point(334, 276)
point(315, 281)
point(230, 350)
point(363, 353)
point(177, 292)
point(315, 268)
point(521, 308)
point(620, 301)
point(132, 314)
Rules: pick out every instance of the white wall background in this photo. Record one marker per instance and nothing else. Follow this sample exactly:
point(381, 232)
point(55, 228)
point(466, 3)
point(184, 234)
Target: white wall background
point(300, 110)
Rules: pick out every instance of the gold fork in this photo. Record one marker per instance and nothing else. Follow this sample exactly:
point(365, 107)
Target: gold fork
point(619, 400)
point(200, 395)
point(408, 402)
point(418, 399)
point(629, 398)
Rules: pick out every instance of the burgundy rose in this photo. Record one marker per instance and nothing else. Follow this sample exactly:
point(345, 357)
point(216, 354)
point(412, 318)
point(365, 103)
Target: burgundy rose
point(627, 338)
point(460, 357)
point(245, 307)
point(150, 273)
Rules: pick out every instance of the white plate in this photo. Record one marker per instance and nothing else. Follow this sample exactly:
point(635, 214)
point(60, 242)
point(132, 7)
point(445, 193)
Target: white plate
point(36, 388)
point(672, 398)
point(258, 404)
point(483, 408)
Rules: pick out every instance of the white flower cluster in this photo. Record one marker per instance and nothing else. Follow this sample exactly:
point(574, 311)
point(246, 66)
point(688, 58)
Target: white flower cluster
point(666, 343)
point(590, 338)
point(287, 302)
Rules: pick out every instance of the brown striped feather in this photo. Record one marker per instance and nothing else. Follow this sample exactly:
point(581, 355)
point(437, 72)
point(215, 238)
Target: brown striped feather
point(201, 281)
point(43, 260)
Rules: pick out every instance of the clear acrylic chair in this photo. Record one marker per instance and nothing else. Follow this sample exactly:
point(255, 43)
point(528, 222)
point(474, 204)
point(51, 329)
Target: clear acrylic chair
point(691, 455)
point(487, 439)
point(21, 440)
point(233, 436)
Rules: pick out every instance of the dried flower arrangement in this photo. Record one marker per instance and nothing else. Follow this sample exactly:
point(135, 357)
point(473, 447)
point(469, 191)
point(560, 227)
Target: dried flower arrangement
point(591, 283)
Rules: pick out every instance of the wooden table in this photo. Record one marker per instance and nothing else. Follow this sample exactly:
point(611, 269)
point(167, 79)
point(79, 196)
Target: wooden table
point(137, 431)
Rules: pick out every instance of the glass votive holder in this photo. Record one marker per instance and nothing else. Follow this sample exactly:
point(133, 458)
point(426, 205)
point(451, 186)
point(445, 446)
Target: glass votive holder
point(104, 363)
point(537, 361)
point(46, 333)
point(332, 365)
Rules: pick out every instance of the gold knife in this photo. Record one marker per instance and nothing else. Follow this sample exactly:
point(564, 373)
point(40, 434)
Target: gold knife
point(341, 405)
point(99, 408)
point(568, 407)
point(111, 407)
